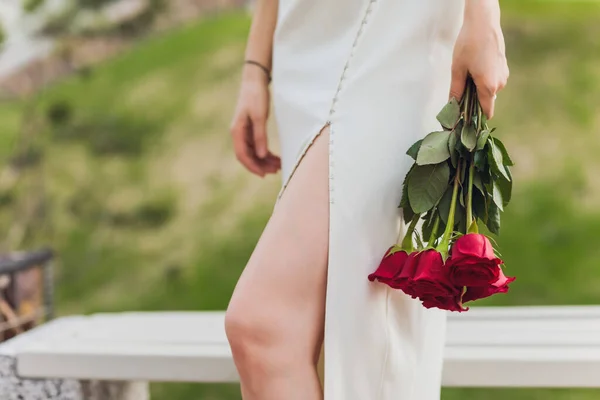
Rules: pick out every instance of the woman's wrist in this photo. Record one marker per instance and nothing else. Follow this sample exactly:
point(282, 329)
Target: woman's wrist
point(482, 19)
point(253, 72)
point(487, 10)
point(260, 66)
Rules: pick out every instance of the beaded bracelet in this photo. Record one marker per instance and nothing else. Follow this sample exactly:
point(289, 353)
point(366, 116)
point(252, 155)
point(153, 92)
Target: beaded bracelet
point(259, 65)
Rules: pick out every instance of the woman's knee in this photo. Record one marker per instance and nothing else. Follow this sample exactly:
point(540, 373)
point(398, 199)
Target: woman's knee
point(236, 326)
point(246, 335)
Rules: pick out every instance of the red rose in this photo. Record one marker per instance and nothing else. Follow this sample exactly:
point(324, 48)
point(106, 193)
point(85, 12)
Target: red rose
point(404, 280)
point(473, 262)
point(444, 303)
point(481, 292)
point(390, 267)
point(430, 277)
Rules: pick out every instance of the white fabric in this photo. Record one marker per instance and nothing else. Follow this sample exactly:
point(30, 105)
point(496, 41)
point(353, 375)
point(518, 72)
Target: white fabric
point(378, 71)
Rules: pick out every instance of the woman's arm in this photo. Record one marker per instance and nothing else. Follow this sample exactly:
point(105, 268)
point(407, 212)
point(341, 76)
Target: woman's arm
point(248, 127)
point(480, 51)
point(260, 41)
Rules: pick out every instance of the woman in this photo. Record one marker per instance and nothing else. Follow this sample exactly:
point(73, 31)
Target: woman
point(355, 83)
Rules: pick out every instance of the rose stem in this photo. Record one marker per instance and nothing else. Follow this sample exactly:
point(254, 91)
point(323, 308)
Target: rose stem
point(436, 225)
point(466, 102)
point(407, 243)
point(445, 242)
point(479, 115)
point(471, 225)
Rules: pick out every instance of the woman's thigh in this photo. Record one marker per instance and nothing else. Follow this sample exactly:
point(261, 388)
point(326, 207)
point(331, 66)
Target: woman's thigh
point(282, 289)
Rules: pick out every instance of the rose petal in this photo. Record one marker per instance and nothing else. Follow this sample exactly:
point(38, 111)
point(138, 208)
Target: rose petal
point(444, 303)
point(474, 274)
point(473, 245)
point(503, 280)
point(431, 277)
point(391, 265)
point(476, 293)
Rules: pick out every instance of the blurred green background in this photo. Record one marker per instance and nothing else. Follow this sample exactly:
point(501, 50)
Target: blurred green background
point(125, 167)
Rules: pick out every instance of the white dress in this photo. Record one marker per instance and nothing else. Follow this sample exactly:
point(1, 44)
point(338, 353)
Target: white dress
point(377, 71)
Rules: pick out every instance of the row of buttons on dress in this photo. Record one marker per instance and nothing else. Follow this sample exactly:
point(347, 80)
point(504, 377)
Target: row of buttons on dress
point(339, 89)
point(363, 23)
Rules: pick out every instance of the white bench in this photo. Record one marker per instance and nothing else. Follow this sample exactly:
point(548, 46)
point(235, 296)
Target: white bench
point(486, 347)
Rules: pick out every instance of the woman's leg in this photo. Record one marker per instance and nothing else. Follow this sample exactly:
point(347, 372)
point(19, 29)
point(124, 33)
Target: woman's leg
point(275, 319)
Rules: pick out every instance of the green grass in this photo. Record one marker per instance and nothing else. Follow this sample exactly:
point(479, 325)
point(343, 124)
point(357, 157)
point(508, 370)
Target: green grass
point(149, 210)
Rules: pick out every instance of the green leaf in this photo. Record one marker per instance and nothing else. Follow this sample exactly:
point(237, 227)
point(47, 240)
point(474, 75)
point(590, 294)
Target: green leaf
point(486, 176)
point(496, 160)
point(413, 151)
point(493, 220)
point(497, 196)
point(505, 188)
point(450, 114)
point(482, 139)
point(480, 160)
point(407, 210)
point(408, 214)
point(505, 157)
point(484, 120)
point(434, 149)
point(480, 206)
point(404, 203)
point(444, 204)
point(452, 140)
point(478, 183)
point(441, 228)
point(419, 241)
point(426, 186)
point(468, 137)
point(460, 215)
point(428, 224)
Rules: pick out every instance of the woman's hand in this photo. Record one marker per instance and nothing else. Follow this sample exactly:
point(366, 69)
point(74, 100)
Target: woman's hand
point(249, 125)
point(480, 52)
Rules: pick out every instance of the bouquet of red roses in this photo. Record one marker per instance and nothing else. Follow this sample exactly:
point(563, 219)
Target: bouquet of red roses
point(461, 175)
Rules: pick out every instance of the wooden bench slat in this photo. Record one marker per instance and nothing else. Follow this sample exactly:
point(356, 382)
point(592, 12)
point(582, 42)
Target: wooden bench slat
point(504, 346)
point(176, 327)
point(124, 361)
point(528, 312)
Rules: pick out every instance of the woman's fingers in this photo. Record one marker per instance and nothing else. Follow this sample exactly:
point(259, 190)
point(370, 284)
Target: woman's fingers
point(487, 88)
point(273, 162)
point(486, 92)
point(487, 99)
point(243, 146)
point(275, 159)
point(249, 141)
point(259, 130)
point(270, 164)
point(459, 81)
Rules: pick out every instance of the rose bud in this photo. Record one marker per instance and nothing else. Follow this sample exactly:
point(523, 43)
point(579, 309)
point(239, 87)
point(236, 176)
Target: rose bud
point(390, 267)
point(473, 262)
